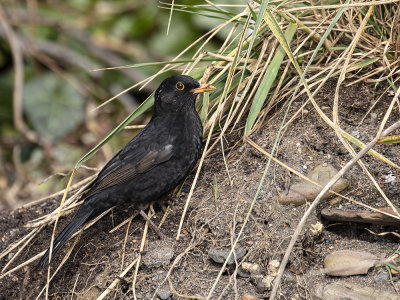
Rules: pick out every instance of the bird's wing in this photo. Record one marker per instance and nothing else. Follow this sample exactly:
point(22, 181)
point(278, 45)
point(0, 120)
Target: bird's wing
point(126, 165)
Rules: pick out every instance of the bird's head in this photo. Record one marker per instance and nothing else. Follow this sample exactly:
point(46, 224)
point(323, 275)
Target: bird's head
point(178, 92)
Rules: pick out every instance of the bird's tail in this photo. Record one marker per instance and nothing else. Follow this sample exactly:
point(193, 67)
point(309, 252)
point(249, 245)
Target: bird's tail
point(80, 218)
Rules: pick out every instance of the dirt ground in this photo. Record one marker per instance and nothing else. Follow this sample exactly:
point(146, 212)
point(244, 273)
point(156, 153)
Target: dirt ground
point(213, 222)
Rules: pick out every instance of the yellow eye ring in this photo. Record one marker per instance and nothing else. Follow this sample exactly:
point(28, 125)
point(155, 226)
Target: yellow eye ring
point(180, 86)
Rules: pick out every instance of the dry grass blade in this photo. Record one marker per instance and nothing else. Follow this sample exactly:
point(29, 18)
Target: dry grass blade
point(171, 286)
point(333, 6)
point(60, 193)
point(336, 103)
point(25, 263)
point(144, 236)
point(116, 281)
point(49, 279)
point(212, 123)
point(125, 240)
point(54, 230)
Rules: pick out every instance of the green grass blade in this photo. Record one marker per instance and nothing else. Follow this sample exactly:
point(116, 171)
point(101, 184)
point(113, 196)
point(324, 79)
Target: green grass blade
point(390, 140)
point(158, 63)
point(267, 81)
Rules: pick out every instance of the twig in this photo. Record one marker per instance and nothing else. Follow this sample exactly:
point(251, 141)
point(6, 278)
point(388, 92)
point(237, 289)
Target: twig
point(181, 295)
point(73, 290)
point(18, 78)
point(146, 227)
point(123, 223)
point(125, 240)
point(170, 15)
point(354, 4)
point(116, 281)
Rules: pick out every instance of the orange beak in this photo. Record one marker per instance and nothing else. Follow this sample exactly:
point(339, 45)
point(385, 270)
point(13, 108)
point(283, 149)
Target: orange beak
point(204, 88)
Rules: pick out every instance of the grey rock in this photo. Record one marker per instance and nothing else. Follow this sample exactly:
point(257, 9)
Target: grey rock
point(164, 294)
point(345, 290)
point(381, 277)
point(220, 255)
point(304, 191)
point(356, 134)
point(159, 253)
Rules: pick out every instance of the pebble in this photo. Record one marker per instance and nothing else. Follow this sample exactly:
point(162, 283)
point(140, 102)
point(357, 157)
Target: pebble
point(273, 267)
point(347, 290)
point(164, 294)
point(220, 255)
point(381, 277)
point(248, 297)
point(251, 267)
point(303, 191)
point(356, 134)
point(265, 283)
point(10, 255)
point(159, 253)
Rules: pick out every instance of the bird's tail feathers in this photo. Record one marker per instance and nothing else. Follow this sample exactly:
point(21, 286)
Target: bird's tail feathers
point(77, 221)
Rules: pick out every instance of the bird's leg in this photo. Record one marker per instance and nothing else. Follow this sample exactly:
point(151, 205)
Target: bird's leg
point(165, 202)
point(152, 225)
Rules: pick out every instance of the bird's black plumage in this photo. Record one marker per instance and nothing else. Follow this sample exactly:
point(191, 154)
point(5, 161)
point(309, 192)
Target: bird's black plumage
point(151, 164)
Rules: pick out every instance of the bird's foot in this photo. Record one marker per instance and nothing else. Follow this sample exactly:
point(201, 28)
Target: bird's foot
point(167, 202)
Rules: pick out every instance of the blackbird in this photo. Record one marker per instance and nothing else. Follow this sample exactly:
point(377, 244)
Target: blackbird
point(153, 163)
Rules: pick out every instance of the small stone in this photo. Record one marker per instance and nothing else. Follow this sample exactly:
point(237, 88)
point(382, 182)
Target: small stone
point(356, 134)
point(304, 191)
point(374, 116)
point(381, 277)
point(273, 267)
point(164, 294)
point(159, 253)
point(250, 267)
point(347, 290)
point(220, 255)
point(267, 282)
point(10, 255)
point(248, 297)
point(316, 229)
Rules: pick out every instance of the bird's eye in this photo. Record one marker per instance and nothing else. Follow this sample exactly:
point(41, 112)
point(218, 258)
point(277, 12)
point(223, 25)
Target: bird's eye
point(180, 86)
